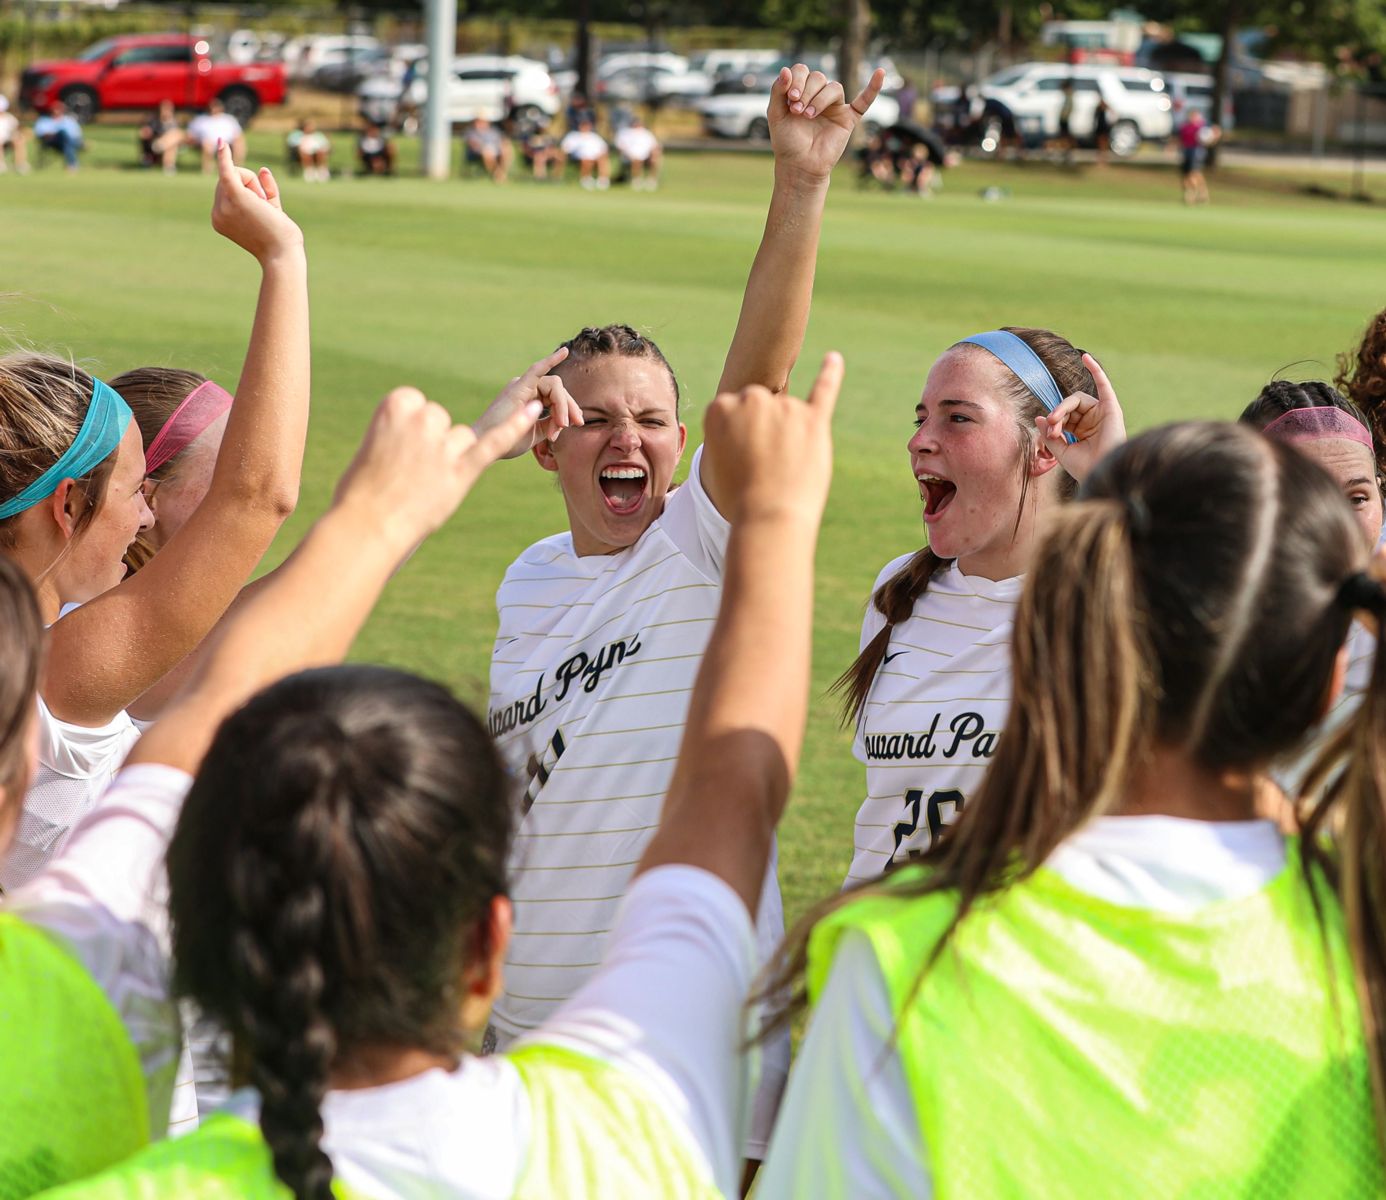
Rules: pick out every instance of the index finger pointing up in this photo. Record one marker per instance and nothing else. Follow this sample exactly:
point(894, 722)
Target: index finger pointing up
point(826, 387)
point(1105, 391)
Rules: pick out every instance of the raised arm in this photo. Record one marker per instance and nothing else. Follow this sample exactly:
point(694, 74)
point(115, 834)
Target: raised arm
point(811, 124)
point(411, 473)
point(112, 649)
point(746, 720)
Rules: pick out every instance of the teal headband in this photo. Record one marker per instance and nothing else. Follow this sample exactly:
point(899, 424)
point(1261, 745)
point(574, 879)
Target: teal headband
point(107, 419)
point(1027, 366)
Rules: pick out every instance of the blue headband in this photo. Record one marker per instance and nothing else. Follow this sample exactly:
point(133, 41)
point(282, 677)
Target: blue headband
point(108, 417)
point(1025, 365)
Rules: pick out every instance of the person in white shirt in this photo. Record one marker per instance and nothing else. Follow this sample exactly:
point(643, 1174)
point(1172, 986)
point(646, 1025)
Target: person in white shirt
point(602, 627)
point(589, 150)
point(85, 1009)
point(1112, 978)
point(1000, 415)
point(640, 148)
point(12, 139)
point(213, 128)
point(71, 506)
point(337, 888)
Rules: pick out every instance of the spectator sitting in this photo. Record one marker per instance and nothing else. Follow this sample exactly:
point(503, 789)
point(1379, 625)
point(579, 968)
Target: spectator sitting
point(486, 144)
point(160, 136)
point(309, 150)
point(216, 125)
point(12, 138)
point(375, 151)
point(640, 148)
point(590, 150)
point(58, 130)
point(578, 111)
point(542, 152)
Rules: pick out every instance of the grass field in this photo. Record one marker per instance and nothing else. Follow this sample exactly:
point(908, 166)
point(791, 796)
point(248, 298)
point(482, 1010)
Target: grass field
point(456, 287)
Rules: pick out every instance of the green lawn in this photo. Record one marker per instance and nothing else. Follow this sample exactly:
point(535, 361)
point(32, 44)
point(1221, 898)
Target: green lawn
point(456, 287)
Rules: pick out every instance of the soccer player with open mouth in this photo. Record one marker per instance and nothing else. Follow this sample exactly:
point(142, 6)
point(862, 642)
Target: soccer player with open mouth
point(930, 688)
point(602, 626)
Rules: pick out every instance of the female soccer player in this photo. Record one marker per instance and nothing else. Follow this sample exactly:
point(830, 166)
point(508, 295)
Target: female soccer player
point(182, 417)
point(930, 688)
point(602, 627)
point(1111, 980)
point(88, 1036)
point(71, 503)
point(338, 892)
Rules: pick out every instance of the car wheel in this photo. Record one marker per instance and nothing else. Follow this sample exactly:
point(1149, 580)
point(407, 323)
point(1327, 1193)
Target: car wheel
point(241, 103)
point(758, 130)
point(81, 102)
point(1125, 139)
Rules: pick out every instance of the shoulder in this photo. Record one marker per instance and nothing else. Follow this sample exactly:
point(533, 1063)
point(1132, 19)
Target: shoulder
point(890, 570)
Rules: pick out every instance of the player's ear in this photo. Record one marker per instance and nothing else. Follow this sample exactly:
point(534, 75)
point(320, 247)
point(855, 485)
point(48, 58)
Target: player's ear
point(543, 454)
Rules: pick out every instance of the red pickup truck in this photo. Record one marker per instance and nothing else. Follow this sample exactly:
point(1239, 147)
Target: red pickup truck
point(137, 71)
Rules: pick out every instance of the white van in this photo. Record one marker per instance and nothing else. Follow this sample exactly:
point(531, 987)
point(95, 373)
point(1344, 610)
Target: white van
point(1137, 100)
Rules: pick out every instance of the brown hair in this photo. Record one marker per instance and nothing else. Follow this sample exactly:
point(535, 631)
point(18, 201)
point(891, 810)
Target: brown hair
point(154, 394)
point(619, 341)
point(329, 881)
point(43, 402)
point(1197, 596)
point(21, 643)
point(895, 598)
point(1362, 379)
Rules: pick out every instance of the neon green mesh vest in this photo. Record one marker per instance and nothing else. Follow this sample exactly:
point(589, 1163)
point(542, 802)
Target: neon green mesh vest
point(72, 1097)
point(594, 1132)
point(1066, 1047)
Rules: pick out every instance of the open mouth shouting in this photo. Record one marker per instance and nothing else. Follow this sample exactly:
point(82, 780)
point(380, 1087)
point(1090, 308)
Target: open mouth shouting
point(623, 488)
point(937, 494)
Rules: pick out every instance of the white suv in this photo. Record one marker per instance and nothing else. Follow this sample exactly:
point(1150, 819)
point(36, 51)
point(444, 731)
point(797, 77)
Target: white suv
point(1138, 102)
point(481, 85)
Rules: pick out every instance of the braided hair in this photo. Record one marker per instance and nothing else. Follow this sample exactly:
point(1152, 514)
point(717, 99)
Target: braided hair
point(336, 857)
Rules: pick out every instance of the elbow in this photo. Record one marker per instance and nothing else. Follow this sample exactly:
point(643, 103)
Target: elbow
point(280, 502)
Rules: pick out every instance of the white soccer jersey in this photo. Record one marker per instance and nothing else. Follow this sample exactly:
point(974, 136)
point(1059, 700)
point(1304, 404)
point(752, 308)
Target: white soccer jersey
point(591, 677)
point(76, 764)
point(934, 712)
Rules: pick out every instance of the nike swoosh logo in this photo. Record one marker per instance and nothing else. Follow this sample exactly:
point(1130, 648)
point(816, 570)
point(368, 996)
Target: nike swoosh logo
point(888, 657)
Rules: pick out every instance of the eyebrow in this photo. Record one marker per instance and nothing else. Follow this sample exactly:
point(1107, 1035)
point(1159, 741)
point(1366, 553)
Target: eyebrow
point(1356, 482)
point(596, 410)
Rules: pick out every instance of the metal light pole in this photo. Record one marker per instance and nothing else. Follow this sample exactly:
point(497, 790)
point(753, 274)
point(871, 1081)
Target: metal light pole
point(437, 129)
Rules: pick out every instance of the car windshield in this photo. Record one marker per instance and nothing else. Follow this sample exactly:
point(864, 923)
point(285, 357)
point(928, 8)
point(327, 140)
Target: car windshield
point(100, 50)
point(1003, 78)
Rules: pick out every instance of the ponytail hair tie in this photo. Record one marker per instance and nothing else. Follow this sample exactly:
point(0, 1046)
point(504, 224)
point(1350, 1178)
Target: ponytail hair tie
point(1359, 591)
point(1137, 514)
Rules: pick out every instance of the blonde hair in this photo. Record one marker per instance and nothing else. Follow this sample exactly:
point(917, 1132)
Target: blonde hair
point(43, 402)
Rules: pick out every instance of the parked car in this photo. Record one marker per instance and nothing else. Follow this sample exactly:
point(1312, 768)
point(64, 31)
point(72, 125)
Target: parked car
point(249, 45)
point(717, 63)
point(1139, 105)
point(140, 71)
point(1194, 93)
point(481, 85)
point(646, 84)
point(758, 79)
point(742, 115)
point(304, 55)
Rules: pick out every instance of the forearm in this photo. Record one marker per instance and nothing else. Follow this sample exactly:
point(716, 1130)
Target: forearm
point(335, 577)
point(746, 721)
point(261, 456)
point(775, 309)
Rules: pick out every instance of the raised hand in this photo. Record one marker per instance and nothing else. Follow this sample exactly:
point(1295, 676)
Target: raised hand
point(247, 210)
point(775, 452)
point(415, 466)
point(811, 121)
point(560, 410)
point(1095, 423)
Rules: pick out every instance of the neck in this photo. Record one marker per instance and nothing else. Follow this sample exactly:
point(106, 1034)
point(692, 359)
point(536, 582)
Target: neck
point(379, 1065)
point(1169, 784)
point(1011, 557)
point(45, 586)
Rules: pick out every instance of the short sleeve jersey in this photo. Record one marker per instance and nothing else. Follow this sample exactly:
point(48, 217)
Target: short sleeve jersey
point(584, 145)
point(591, 676)
point(934, 712)
point(636, 144)
point(76, 763)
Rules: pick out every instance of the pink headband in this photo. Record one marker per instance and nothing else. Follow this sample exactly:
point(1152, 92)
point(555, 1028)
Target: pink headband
point(1314, 424)
point(205, 403)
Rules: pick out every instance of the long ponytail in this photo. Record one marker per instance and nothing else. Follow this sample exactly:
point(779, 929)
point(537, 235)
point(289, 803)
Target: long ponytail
point(1348, 784)
point(894, 600)
point(1082, 716)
